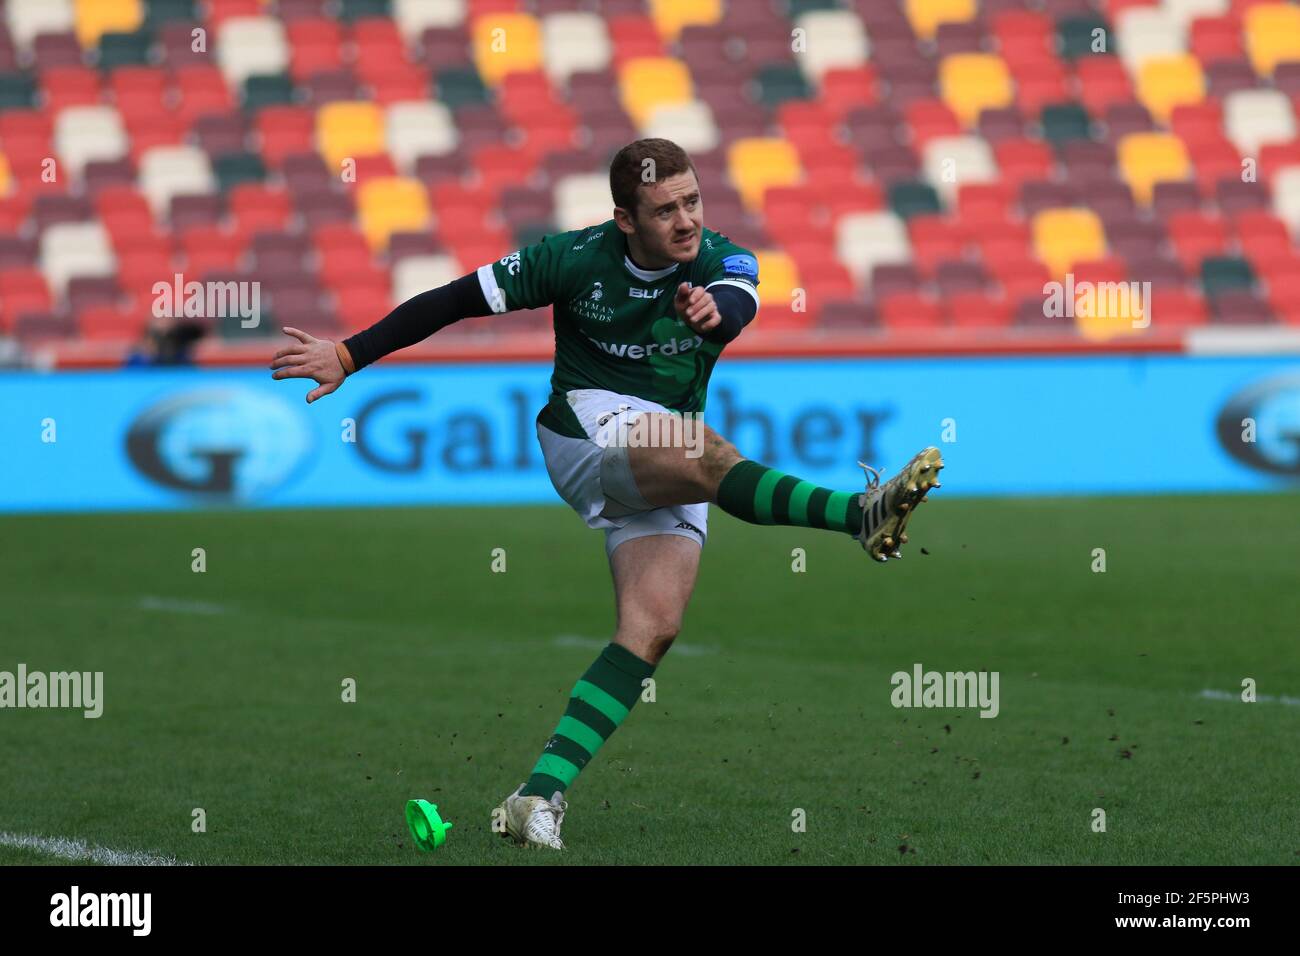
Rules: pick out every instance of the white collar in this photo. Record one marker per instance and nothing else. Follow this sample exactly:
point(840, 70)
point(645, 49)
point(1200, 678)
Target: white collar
point(649, 275)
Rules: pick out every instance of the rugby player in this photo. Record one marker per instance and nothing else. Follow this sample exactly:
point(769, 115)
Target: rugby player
point(643, 305)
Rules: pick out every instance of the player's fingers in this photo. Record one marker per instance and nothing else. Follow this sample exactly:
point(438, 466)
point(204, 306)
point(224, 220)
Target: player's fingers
point(321, 391)
point(709, 323)
point(683, 292)
point(301, 336)
point(296, 358)
point(700, 308)
point(295, 349)
point(293, 371)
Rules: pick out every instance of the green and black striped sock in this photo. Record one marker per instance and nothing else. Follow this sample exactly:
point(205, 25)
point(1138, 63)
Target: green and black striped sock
point(598, 703)
point(762, 495)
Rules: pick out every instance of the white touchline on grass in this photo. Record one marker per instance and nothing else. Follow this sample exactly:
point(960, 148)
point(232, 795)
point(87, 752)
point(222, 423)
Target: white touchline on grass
point(151, 603)
point(595, 644)
point(1209, 694)
point(81, 851)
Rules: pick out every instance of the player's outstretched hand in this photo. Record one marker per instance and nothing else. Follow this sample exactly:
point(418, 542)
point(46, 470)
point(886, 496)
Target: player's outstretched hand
point(310, 357)
point(696, 307)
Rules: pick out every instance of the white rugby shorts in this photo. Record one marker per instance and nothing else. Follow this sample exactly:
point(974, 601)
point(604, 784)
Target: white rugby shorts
point(594, 477)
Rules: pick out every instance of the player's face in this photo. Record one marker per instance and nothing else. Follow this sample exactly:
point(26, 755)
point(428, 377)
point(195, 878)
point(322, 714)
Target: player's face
point(670, 218)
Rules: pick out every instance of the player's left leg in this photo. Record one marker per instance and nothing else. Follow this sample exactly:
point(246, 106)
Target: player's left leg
point(691, 462)
point(654, 575)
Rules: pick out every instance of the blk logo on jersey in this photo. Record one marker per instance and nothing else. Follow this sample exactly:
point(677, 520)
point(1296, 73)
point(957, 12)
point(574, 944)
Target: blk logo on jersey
point(644, 293)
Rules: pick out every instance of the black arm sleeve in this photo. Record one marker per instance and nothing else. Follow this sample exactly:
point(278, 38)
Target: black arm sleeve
point(737, 308)
point(418, 318)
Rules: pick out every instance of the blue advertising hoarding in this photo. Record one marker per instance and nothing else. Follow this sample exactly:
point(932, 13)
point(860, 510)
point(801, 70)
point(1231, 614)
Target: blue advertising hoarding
point(462, 434)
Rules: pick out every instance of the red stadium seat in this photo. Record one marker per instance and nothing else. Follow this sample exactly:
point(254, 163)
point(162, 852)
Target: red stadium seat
point(911, 311)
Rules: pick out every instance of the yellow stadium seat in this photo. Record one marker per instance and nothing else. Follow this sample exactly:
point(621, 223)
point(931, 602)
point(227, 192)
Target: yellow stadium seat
point(1168, 81)
point(926, 15)
point(670, 16)
point(97, 17)
point(506, 43)
point(1106, 313)
point(757, 164)
point(1272, 35)
point(386, 206)
point(1149, 158)
point(6, 176)
point(778, 278)
point(972, 82)
point(346, 130)
point(1064, 236)
point(647, 83)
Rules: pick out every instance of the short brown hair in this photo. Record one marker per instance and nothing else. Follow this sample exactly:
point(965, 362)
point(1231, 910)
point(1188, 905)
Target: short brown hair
point(627, 168)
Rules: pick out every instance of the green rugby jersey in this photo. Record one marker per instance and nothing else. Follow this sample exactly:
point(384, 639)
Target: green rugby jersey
point(615, 325)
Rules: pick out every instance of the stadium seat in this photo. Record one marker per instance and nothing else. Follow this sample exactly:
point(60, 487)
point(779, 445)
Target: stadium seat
point(1148, 158)
point(833, 40)
point(27, 19)
point(755, 165)
point(925, 16)
point(1063, 237)
point(167, 171)
point(251, 46)
point(1253, 119)
point(952, 162)
point(646, 84)
point(1165, 82)
point(98, 17)
point(75, 249)
point(689, 125)
point(865, 240)
point(671, 16)
point(1272, 35)
point(414, 129)
point(83, 134)
point(349, 131)
point(505, 43)
point(581, 200)
point(972, 82)
point(413, 17)
point(575, 42)
point(1145, 32)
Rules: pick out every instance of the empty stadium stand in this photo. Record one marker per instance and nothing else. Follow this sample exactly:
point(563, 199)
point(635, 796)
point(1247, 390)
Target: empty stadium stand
point(911, 168)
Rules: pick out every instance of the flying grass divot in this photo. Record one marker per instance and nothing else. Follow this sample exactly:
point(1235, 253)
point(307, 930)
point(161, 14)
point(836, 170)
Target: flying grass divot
point(427, 829)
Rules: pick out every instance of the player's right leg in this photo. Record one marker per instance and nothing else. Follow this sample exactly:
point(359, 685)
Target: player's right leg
point(704, 466)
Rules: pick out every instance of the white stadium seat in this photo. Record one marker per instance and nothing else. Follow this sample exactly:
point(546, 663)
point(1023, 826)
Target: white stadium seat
point(1185, 11)
point(167, 171)
point(689, 125)
point(864, 240)
point(951, 162)
point(1145, 32)
point(416, 274)
point(1286, 199)
point(575, 42)
point(75, 249)
point(251, 46)
point(1255, 118)
point(84, 134)
point(581, 200)
point(413, 17)
point(419, 128)
point(831, 39)
point(28, 19)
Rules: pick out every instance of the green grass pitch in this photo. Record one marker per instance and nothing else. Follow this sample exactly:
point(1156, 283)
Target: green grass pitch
point(223, 689)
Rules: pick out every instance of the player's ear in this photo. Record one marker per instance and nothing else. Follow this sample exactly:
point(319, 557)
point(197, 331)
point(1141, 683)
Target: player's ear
point(623, 219)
